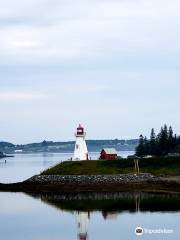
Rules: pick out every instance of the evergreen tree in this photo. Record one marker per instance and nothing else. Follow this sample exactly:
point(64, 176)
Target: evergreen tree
point(146, 146)
point(163, 141)
point(178, 140)
point(175, 141)
point(162, 144)
point(140, 148)
point(171, 143)
point(152, 143)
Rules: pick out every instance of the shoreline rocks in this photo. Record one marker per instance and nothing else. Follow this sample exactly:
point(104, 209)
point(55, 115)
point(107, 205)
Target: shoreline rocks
point(92, 179)
point(143, 182)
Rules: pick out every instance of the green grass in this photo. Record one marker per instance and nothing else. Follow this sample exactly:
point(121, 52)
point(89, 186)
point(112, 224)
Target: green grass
point(161, 165)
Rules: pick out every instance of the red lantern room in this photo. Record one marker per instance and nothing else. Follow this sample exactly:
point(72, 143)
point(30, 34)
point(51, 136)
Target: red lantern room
point(80, 130)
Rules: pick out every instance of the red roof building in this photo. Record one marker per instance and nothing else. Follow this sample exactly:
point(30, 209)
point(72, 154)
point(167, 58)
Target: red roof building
point(108, 154)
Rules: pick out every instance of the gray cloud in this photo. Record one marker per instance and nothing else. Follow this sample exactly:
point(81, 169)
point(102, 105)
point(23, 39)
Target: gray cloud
point(65, 62)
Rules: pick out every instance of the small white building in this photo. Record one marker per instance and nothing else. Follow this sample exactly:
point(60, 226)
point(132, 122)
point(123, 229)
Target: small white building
point(80, 150)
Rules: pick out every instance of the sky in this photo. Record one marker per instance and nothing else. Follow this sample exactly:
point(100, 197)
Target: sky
point(111, 65)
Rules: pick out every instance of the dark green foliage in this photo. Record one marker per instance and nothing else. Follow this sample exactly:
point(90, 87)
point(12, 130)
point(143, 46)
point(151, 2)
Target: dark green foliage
point(116, 204)
point(162, 144)
point(152, 142)
point(140, 150)
point(177, 148)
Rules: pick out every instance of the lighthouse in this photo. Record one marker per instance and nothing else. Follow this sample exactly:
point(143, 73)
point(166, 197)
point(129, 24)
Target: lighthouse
point(80, 150)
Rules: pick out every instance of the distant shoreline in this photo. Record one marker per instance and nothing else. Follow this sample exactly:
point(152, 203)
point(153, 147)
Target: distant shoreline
point(68, 146)
point(68, 152)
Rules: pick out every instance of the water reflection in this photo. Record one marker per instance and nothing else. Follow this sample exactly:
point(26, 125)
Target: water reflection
point(111, 205)
point(82, 224)
point(113, 202)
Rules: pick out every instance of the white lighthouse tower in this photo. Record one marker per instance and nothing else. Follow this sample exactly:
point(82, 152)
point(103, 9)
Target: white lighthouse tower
point(80, 151)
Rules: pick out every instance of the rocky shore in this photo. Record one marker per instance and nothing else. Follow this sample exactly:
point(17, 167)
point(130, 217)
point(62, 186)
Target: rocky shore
point(92, 179)
point(143, 182)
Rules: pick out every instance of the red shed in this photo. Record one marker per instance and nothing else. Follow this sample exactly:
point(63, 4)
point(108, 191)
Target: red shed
point(108, 154)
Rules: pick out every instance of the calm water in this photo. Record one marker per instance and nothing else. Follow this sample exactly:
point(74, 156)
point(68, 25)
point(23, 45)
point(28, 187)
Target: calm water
point(23, 166)
point(97, 218)
point(80, 216)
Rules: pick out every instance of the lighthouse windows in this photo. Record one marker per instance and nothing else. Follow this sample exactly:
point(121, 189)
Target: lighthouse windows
point(77, 146)
point(80, 131)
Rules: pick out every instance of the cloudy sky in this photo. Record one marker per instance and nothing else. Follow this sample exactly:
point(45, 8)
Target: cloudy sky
point(112, 65)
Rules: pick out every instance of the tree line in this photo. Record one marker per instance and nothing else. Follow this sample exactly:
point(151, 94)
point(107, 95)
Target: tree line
point(159, 145)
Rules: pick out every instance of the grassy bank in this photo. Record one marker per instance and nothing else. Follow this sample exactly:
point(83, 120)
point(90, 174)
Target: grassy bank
point(156, 165)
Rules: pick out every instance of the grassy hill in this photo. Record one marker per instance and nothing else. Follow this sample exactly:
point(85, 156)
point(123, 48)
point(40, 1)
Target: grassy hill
point(161, 165)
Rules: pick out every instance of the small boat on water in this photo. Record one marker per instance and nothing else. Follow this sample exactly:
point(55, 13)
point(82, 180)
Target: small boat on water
point(3, 155)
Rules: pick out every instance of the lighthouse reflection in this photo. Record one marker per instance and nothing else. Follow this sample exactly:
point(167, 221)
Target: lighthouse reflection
point(111, 205)
point(83, 219)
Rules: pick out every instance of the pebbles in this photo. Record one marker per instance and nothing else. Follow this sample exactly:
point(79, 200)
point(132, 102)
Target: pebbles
point(92, 179)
